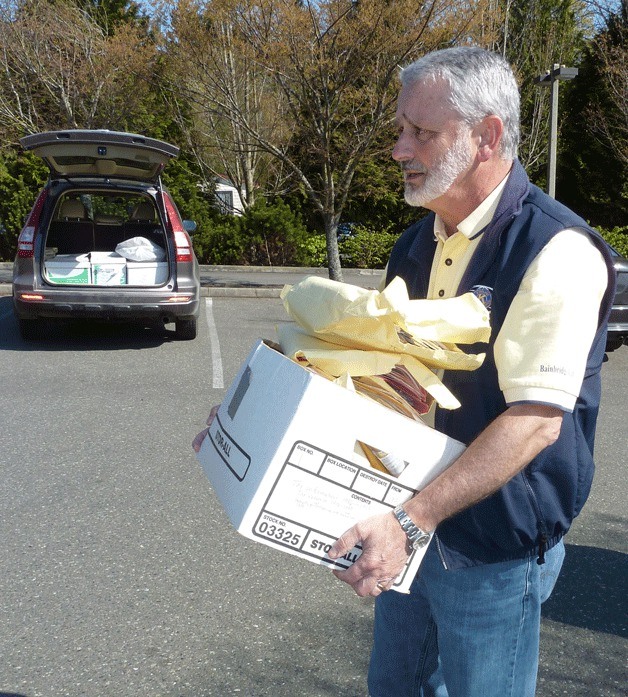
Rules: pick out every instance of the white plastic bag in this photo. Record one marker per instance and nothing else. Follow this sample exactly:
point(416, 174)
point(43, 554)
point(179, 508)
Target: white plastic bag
point(140, 249)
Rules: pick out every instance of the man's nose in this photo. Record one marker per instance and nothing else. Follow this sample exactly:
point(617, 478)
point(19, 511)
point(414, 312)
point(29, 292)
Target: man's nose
point(401, 151)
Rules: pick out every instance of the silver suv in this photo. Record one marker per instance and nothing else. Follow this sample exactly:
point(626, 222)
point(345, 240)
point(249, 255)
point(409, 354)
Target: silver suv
point(104, 239)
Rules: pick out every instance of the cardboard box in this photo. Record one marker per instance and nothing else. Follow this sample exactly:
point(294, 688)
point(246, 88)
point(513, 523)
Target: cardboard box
point(69, 269)
point(108, 269)
point(283, 457)
point(146, 273)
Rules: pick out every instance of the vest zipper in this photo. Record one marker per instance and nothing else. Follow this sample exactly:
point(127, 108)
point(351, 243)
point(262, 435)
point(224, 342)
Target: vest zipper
point(440, 552)
point(542, 538)
point(542, 549)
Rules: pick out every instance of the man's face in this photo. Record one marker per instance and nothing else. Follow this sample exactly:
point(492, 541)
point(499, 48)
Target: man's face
point(433, 146)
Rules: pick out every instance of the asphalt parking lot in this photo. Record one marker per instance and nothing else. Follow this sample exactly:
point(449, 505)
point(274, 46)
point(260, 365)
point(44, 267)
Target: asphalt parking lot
point(122, 575)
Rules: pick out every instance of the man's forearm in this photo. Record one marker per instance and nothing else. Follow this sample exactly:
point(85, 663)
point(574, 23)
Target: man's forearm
point(502, 450)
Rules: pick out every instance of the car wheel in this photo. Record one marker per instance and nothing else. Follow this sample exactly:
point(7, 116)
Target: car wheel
point(30, 329)
point(185, 329)
point(613, 344)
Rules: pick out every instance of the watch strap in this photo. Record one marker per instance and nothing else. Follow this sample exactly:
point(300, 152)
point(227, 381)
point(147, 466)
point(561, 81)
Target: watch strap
point(416, 537)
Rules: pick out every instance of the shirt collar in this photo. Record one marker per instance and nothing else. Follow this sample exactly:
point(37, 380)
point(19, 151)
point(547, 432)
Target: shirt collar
point(477, 220)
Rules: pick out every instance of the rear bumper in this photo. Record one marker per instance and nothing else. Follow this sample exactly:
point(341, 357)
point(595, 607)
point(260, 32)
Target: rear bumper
point(116, 304)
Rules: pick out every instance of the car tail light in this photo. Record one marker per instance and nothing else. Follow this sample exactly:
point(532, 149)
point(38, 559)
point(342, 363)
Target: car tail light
point(179, 299)
point(182, 241)
point(26, 240)
point(183, 246)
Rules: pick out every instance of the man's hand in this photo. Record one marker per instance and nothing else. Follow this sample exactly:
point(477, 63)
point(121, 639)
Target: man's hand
point(384, 554)
point(198, 441)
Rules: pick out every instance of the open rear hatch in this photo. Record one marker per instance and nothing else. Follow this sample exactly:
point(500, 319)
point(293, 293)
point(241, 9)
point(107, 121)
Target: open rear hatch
point(102, 153)
point(101, 232)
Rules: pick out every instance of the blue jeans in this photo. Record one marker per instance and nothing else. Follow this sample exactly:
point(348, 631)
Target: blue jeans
point(471, 632)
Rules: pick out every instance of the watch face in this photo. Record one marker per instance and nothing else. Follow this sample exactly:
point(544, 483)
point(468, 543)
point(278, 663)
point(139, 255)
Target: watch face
point(421, 541)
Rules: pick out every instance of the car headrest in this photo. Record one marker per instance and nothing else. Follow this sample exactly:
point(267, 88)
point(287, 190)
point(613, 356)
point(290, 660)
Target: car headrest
point(144, 211)
point(72, 208)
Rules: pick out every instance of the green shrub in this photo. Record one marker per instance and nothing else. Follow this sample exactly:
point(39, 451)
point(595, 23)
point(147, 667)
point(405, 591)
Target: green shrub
point(274, 235)
point(219, 241)
point(268, 234)
point(617, 238)
point(21, 178)
point(313, 251)
point(366, 248)
point(181, 179)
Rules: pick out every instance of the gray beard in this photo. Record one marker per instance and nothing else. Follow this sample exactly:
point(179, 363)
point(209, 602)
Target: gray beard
point(441, 176)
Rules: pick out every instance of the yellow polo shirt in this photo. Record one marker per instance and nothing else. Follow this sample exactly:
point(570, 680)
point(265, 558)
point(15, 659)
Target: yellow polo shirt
point(541, 350)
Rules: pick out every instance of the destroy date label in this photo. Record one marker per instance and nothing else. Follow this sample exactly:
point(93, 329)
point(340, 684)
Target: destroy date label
point(316, 497)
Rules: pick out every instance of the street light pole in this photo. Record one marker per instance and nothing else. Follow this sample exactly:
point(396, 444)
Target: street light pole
point(551, 79)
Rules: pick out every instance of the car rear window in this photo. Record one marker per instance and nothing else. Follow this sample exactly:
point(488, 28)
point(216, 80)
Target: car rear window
point(92, 220)
point(73, 160)
point(106, 206)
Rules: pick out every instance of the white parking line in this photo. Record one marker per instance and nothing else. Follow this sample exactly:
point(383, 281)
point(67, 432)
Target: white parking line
point(217, 379)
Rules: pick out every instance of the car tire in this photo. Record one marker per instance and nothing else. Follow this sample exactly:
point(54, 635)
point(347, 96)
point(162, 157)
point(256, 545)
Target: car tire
point(613, 344)
point(185, 329)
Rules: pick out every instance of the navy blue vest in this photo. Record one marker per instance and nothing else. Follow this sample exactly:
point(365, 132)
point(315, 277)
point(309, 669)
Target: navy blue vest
point(535, 509)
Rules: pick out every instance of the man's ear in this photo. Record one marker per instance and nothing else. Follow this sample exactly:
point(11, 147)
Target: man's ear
point(489, 132)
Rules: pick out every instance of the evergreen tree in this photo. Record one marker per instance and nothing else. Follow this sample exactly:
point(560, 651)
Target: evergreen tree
point(535, 36)
point(593, 165)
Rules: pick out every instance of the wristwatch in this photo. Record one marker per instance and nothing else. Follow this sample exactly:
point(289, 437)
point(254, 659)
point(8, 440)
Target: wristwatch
point(417, 538)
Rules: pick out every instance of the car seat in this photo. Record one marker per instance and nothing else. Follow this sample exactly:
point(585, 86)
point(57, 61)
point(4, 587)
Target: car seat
point(72, 232)
point(143, 222)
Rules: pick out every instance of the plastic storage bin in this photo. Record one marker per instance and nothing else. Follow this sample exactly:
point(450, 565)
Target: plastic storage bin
point(72, 269)
point(147, 273)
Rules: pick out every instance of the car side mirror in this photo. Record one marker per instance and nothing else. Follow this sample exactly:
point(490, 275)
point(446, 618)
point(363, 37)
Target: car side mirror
point(189, 226)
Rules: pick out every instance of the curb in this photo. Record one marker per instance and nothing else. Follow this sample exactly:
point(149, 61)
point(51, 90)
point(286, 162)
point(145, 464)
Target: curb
point(270, 287)
point(6, 290)
point(239, 292)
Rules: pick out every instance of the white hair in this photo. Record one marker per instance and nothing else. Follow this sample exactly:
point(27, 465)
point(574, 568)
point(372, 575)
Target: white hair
point(481, 83)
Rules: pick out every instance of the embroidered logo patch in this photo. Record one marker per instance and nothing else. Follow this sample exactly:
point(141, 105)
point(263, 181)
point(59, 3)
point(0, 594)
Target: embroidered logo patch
point(484, 294)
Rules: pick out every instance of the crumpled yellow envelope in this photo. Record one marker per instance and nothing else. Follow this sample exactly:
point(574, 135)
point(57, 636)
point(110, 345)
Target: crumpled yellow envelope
point(345, 329)
point(367, 319)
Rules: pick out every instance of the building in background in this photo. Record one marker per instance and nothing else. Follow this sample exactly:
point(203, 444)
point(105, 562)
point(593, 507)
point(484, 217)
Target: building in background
point(227, 197)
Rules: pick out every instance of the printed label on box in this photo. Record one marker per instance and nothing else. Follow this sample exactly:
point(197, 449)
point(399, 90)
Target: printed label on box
point(305, 498)
point(229, 451)
point(109, 274)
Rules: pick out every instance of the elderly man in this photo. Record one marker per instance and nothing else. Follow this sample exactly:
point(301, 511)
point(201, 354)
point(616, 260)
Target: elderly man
point(470, 626)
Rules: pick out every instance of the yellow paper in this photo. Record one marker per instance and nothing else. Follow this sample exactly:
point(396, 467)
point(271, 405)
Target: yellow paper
point(368, 320)
point(459, 320)
point(346, 330)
